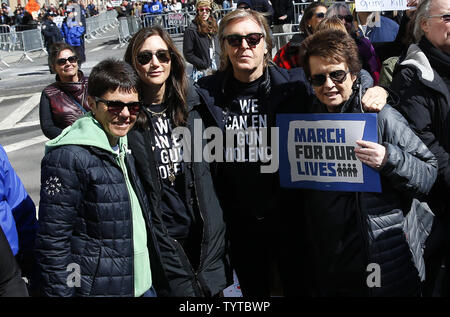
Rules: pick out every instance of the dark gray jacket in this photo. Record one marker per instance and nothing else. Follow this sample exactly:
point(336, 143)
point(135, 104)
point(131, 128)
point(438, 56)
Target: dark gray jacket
point(409, 172)
point(196, 48)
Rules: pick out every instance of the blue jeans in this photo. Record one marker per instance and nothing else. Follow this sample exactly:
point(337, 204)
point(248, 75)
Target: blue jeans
point(150, 293)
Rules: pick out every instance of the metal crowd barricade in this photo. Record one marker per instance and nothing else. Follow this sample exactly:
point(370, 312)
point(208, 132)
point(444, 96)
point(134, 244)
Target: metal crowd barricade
point(30, 41)
point(173, 22)
point(100, 24)
point(277, 39)
point(128, 26)
point(124, 31)
point(5, 37)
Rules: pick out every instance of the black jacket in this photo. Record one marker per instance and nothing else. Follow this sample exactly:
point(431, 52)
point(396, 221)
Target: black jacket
point(93, 215)
point(280, 8)
point(285, 91)
point(51, 33)
point(11, 282)
point(425, 103)
point(409, 172)
point(196, 48)
point(213, 273)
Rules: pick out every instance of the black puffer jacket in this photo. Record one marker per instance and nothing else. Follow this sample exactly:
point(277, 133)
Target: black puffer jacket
point(85, 218)
point(410, 171)
point(425, 103)
point(213, 273)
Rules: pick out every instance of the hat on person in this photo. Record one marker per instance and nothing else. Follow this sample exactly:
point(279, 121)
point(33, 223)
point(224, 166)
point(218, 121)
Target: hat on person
point(203, 3)
point(246, 4)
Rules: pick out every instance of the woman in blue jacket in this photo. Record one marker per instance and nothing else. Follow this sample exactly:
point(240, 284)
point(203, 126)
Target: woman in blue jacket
point(73, 33)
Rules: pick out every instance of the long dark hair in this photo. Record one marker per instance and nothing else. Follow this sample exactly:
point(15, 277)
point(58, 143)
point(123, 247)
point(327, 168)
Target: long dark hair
point(208, 27)
point(176, 84)
point(309, 12)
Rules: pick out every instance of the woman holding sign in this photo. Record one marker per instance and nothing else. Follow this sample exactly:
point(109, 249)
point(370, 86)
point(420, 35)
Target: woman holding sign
point(186, 214)
point(356, 238)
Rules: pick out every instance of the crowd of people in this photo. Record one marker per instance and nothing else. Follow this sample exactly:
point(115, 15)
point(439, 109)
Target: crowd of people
point(135, 201)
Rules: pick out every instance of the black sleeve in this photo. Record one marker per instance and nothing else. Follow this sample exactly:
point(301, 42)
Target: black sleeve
point(11, 282)
point(189, 53)
point(58, 208)
point(45, 117)
point(419, 108)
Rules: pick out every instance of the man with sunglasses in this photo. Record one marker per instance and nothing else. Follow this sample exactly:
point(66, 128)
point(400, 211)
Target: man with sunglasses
point(244, 96)
point(94, 234)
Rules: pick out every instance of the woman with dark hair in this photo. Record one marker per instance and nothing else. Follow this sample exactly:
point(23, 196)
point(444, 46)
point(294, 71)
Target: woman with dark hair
point(187, 218)
point(95, 235)
point(65, 100)
point(200, 46)
point(287, 56)
point(348, 232)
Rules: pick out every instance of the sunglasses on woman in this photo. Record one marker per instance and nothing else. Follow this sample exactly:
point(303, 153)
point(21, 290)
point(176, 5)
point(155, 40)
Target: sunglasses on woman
point(348, 18)
point(337, 76)
point(115, 107)
point(145, 57)
point(320, 15)
point(62, 61)
point(252, 39)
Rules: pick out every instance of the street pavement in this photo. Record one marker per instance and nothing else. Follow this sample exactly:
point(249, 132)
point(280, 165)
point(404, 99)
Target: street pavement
point(21, 85)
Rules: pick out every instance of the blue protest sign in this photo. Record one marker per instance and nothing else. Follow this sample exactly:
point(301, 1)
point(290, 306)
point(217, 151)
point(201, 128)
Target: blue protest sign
point(317, 151)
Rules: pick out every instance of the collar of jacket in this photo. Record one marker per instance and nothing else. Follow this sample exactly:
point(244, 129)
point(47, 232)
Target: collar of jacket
point(417, 59)
point(278, 84)
point(74, 88)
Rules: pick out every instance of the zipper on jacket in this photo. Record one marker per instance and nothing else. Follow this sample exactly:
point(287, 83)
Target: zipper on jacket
point(203, 222)
point(200, 288)
point(176, 241)
point(364, 233)
point(131, 210)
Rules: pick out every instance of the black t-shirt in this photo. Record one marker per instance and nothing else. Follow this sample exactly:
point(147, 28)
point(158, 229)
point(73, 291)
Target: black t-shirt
point(167, 150)
point(334, 235)
point(243, 189)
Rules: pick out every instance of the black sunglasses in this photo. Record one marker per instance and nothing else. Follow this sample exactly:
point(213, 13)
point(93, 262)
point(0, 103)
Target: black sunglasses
point(348, 18)
point(145, 57)
point(252, 39)
point(444, 17)
point(320, 15)
point(63, 61)
point(115, 107)
point(337, 76)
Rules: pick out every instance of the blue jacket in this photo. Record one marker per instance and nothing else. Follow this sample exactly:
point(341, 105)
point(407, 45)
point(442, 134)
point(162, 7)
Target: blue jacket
point(72, 35)
point(385, 33)
point(17, 210)
point(146, 8)
point(156, 7)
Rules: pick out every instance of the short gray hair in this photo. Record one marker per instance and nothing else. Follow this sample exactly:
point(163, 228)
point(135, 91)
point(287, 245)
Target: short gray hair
point(422, 13)
point(244, 14)
point(334, 9)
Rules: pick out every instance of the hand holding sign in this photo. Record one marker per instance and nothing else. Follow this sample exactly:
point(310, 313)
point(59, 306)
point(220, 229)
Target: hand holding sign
point(371, 154)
